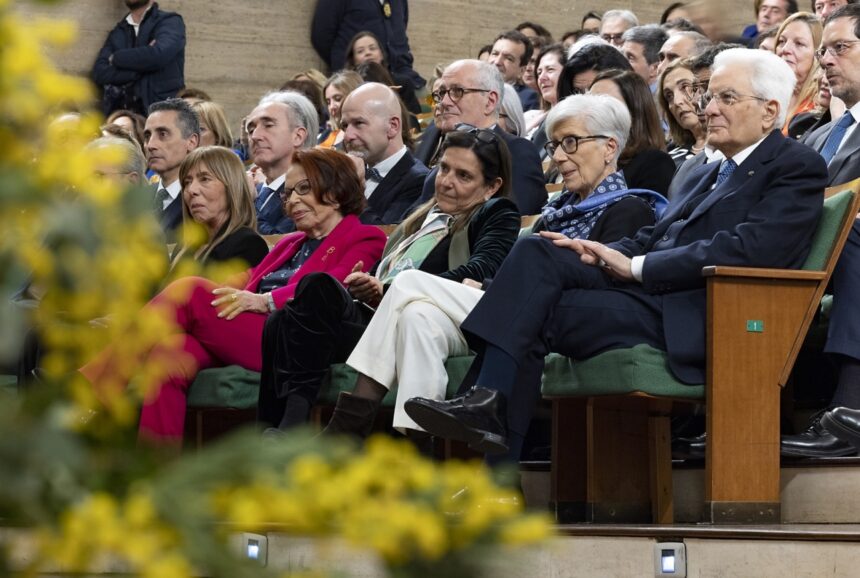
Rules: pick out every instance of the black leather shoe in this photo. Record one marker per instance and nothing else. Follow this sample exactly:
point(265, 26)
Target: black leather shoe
point(816, 442)
point(844, 423)
point(692, 448)
point(477, 418)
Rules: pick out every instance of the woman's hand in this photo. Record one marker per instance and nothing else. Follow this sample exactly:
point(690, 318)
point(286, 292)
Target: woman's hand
point(364, 287)
point(236, 301)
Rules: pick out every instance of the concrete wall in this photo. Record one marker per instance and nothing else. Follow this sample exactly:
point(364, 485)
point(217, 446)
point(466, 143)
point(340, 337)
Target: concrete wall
point(237, 50)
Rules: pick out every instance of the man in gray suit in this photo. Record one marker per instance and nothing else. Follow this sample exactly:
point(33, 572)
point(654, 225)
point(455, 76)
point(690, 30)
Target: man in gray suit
point(837, 432)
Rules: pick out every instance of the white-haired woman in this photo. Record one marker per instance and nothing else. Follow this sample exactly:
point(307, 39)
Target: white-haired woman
point(420, 316)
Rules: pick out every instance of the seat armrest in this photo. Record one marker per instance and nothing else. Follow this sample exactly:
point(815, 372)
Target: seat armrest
point(759, 273)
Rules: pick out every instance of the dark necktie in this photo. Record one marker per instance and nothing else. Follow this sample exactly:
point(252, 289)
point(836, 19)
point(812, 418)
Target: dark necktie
point(371, 174)
point(836, 136)
point(161, 195)
point(726, 169)
point(264, 194)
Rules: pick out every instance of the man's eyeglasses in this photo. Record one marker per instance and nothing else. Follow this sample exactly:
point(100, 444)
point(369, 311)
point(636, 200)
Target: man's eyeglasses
point(569, 144)
point(836, 49)
point(455, 93)
point(302, 188)
point(612, 38)
point(725, 99)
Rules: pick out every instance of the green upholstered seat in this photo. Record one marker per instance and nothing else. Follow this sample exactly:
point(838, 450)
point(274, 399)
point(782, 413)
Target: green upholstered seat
point(616, 372)
point(236, 387)
point(828, 228)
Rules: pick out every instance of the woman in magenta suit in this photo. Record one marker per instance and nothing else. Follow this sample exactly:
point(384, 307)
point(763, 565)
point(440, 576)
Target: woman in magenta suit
point(223, 325)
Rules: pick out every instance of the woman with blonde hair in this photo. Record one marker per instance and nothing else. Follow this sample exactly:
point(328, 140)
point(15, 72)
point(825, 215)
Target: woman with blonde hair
point(214, 129)
point(217, 196)
point(336, 89)
point(796, 40)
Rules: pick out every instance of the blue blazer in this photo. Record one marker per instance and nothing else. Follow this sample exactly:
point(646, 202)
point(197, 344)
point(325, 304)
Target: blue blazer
point(392, 197)
point(528, 188)
point(764, 216)
point(272, 220)
point(154, 60)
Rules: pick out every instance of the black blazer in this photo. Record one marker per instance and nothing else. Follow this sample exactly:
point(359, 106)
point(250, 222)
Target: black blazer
point(395, 194)
point(650, 169)
point(763, 216)
point(171, 218)
point(272, 220)
point(528, 188)
point(428, 144)
point(243, 244)
point(154, 60)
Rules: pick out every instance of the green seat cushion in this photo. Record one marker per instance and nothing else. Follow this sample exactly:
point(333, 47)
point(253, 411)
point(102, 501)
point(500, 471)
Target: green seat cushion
point(616, 372)
point(828, 229)
point(236, 387)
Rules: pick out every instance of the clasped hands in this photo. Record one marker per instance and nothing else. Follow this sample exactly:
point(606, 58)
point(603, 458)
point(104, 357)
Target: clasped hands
point(612, 262)
point(232, 302)
point(364, 286)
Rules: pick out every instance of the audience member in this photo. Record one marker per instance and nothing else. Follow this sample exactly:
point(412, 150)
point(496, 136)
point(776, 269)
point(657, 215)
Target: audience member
point(769, 13)
point(823, 8)
point(193, 95)
point(596, 205)
point(550, 64)
point(172, 131)
point(681, 25)
point(463, 232)
point(217, 196)
point(511, 53)
point(132, 122)
point(529, 77)
point(336, 22)
point(681, 45)
point(570, 37)
point(214, 128)
point(470, 93)
point(313, 92)
point(796, 42)
point(834, 431)
point(615, 23)
point(585, 63)
point(484, 52)
point(282, 123)
point(686, 130)
point(143, 59)
point(511, 118)
point(313, 75)
point(827, 107)
point(591, 23)
point(371, 122)
point(337, 87)
point(766, 40)
point(366, 48)
point(581, 298)
point(644, 160)
point(675, 10)
point(641, 46)
point(533, 31)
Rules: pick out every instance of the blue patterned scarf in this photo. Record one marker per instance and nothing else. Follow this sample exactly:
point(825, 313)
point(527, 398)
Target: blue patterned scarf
point(567, 215)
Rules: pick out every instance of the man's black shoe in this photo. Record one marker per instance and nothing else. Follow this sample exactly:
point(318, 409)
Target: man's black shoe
point(477, 418)
point(692, 448)
point(816, 441)
point(844, 423)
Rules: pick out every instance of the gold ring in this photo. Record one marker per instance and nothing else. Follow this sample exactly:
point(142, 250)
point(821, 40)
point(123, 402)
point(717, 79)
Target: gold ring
point(233, 297)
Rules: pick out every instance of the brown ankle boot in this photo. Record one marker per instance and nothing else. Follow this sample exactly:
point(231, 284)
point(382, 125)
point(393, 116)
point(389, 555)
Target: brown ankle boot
point(353, 415)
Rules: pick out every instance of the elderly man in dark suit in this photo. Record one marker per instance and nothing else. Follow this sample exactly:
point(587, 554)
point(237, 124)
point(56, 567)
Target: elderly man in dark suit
point(172, 131)
point(371, 121)
point(471, 93)
point(837, 432)
point(143, 59)
point(759, 207)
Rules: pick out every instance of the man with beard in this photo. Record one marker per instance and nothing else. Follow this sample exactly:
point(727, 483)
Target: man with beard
point(142, 60)
point(371, 121)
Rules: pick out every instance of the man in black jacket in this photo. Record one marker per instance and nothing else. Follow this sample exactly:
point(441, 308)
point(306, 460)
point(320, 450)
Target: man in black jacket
point(142, 60)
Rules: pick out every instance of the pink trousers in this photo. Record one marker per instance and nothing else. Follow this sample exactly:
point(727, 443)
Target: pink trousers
point(204, 340)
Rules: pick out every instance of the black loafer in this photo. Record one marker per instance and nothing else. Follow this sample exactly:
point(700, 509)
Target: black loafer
point(816, 441)
point(692, 448)
point(477, 418)
point(844, 423)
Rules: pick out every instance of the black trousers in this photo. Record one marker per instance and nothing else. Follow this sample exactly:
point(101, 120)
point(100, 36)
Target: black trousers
point(319, 327)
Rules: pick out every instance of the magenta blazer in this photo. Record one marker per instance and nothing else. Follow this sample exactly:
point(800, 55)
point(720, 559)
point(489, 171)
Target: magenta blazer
point(349, 243)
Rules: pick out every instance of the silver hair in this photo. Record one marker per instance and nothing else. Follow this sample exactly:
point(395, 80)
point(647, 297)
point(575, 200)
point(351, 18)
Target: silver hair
point(300, 112)
point(650, 36)
point(133, 160)
point(625, 15)
point(770, 77)
point(487, 77)
point(700, 41)
point(601, 114)
point(512, 108)
point(586, 40)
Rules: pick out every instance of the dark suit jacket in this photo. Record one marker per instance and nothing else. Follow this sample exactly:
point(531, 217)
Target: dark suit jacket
point(272, 220)
point(154, 60)
point(679, 181)
point(335, 22)
point(395, 194)
point(528, 188)
point(650, 169)
point(528, 97)
point(763, 216)
point(428, 144)
point(845, 166)
point(171, 218)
